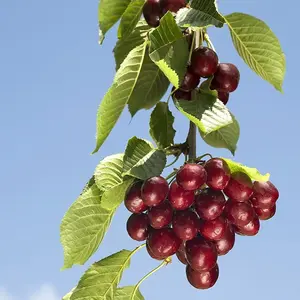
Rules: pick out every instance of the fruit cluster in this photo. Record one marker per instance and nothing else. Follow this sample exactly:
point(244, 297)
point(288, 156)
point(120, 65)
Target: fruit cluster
point(198, 215)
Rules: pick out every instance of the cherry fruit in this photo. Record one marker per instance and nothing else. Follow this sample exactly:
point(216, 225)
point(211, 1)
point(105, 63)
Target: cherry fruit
point(137, 227)
point(179, 198)
point(251, 229)
point(160, 216)
point(185, 224)
point(133, 200)
point(202, 280)
point(265, 194)
point(182, 95)
point(213, 230)
point(181, 255)
point(265, 213)
point(172, 5)
point(225, 244)
point(223, 96)
point(151, 253)
point(152, 12)
point(190, 81)
point(239, 213)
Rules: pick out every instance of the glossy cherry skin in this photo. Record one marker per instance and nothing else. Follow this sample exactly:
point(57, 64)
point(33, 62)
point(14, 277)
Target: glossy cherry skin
point(204, 62)
point(181, 255)
point(265, 213)
point(227, 242)
point(209, 204)
point(151, 253)
point(265, 194)
point(191, 177)
point(182, 95)
point(239, 213)
point(155, 191)
point(223, 96)
point(226, 78)
point(133, 200)
point(213, 230)
point(251, 229)
point(185, 224)
point(218, 173)
point(152, 12)
point(239, 187)
point(201, 254)
point(172, 5)
point(137, 227)
point(190, 81)
point(179, 198)
point(163, 242)
point(161, 215)
point(202, 280)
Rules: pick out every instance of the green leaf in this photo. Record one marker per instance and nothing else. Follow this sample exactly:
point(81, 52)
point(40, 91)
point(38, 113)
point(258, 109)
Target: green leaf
point(127, 43)
point(68, 296)
point(84, 226)
point(161, 125)
point(201, 14)
point(205, 88)
point(100, 281)
point(226, 137)
point(126, 293)
point(169, 49)
point(142, 161)
point(258, 47)
point(253, 173)
point(123, 89)
point(109, 12)
point(206, 111)
point(130, 17)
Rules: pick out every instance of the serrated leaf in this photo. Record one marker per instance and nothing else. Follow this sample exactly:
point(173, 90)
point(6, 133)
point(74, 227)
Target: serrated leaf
point(68, 296)
point(100, 281)
point(206, 111)
point(226, 137)
point(205, 87)
point(258, 47)
point(127, 293)
point(253, 173)
point(141, 160)
point(130, 18)
point(123, 89)
point(109, 12)
point(84, 226)
point(161, 125)
point(201, 14)
point(169, 49)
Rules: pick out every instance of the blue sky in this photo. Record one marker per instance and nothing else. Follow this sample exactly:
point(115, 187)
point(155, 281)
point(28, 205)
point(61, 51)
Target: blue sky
point(53, 74)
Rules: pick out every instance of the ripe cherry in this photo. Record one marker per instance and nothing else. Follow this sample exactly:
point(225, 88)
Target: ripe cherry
point(163, 242)
point(204, 62)
point(265, 213)
point(172, 5)
point(133, 200)
point(202, 280)
point(265, 194)
point(179, 198)
point(137, 227)
point(224, 245)
point(155, 190)
point(190, 81)
point(209, 204)
point(239, 187)
point(201, 254)
point(181, 255)
point(226, 78)
point(152, 12)
point(185, 224)
point(151, 253)
point(182, 95)
point(223, 96)
point(251, 229)
point(191, 177)
point(213, 230)
point(218, 173)
point(160, 216)
point(239, 213)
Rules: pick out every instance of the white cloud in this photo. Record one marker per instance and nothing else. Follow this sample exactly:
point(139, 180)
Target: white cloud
point(4, 295)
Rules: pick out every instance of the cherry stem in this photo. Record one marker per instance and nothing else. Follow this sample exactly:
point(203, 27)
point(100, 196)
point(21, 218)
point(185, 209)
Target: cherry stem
point(209, 42)
point(173, 162)
point(206, 154)
point(171, 175)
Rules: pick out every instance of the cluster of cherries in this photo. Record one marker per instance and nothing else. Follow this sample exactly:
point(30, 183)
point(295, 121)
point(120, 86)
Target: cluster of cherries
point(198, 215)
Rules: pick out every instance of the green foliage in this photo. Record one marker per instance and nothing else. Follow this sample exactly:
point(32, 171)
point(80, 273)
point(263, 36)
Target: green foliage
point(127, 293)
point(68, 296)
point(161, 125)
point(258, 47)
point(142, 160)
point(169, 49)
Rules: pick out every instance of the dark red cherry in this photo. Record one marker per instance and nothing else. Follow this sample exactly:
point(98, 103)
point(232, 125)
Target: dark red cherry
point(155, 190)
point(179, 198)
point(201, 254)
point(226, 78)
point(239, 188)
point(213, 230)
point(182, 95)
point(209, 204)
point(204, 62)
point(152, 12)
point(265, 213)
point(265, 194)
point(133, 200)
point(225, 244)
point(218, 173)
point(191, 177)
point(202, 280)
point(151, 253)
point(223, 96)
point(163, 242)
point(239, 213)
point(190, 81)
point(181, 255)
point(160, 216)
point(251, 229)
point(172, 5)
point(185, 224)
point(137, 227)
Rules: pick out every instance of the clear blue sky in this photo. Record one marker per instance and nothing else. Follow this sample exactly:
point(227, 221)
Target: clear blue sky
point(53, 74)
